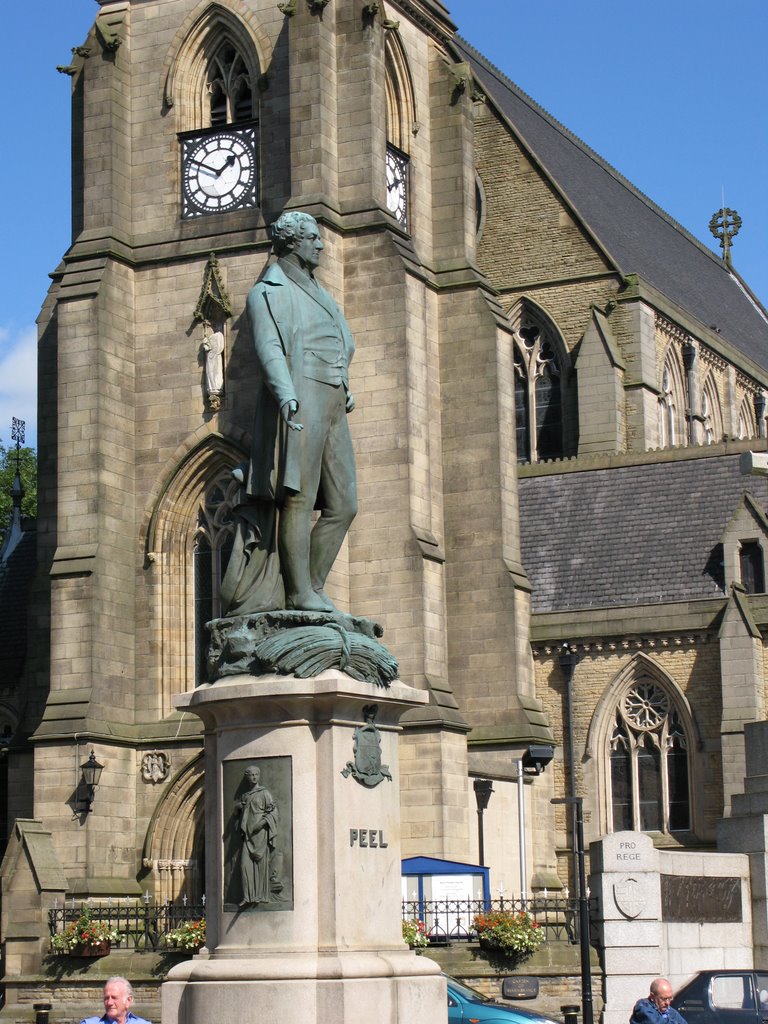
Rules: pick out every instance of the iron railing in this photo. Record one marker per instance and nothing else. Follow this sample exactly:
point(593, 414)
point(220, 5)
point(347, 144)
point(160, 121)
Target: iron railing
point(142, 925)
point(448, 921)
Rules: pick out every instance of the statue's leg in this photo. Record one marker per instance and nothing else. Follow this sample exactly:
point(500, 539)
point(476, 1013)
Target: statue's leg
point(295, 523)
point(338, 486)
point(296, 516)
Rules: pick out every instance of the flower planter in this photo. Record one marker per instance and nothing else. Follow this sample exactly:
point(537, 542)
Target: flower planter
point(94, 950)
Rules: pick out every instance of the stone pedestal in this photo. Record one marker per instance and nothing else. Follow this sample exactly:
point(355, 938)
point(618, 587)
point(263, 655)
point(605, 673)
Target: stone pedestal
point(324, 940)
point(624, 879)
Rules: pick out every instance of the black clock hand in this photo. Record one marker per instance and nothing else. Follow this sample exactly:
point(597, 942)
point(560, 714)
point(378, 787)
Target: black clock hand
point(206, 167)
point(227, 163)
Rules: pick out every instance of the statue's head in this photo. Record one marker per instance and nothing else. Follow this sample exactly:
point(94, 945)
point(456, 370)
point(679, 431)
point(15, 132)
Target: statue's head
point(291, 229)
point(253, 774)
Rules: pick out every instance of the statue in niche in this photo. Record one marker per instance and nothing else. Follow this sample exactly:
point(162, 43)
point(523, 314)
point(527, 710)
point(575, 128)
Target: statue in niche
point(213, 346)
point(260, 864)
point(302, 457)
point(366, 748)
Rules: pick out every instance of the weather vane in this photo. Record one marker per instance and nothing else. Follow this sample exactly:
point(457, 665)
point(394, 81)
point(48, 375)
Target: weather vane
point(18, 435)
point(724, 225)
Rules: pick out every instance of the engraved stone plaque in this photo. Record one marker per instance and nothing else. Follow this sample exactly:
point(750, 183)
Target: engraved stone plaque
point(689, 898)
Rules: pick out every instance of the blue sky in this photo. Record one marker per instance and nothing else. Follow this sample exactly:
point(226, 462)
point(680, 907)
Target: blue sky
point(673, 93)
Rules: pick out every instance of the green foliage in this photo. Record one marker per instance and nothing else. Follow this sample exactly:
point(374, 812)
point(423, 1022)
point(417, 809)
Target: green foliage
point(189, 935)
point(514, 935)
point(85, 931)
point(28, 473)
point(415, 933)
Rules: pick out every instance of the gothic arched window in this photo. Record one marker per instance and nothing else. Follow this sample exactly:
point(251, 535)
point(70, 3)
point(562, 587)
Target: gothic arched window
point(229, 87)
point(214, 75)
point(401, 122)
point(538, 395)
point(189, 538)
point(649, 777)
point(671, 404)
point(212, 547)
point(710, 412)
point(747, 426)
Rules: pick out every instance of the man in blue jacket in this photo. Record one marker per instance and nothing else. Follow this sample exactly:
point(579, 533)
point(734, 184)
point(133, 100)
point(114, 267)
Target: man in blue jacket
point(656, 1008)
point(118, 999)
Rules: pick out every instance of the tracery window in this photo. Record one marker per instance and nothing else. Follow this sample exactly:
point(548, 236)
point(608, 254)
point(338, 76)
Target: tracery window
point(671, 404)
point(211, 550)
point(649, 767)
point(229, 87)
point(711, 414)
point(538, 395)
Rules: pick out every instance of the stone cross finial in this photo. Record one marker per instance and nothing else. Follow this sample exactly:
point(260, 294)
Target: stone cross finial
point(724, 225)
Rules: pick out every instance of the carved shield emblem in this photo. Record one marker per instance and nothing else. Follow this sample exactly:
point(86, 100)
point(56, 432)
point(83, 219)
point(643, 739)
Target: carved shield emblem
point(628, 895)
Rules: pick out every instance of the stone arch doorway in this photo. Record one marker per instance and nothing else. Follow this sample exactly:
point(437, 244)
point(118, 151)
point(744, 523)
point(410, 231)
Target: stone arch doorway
point(174, 847)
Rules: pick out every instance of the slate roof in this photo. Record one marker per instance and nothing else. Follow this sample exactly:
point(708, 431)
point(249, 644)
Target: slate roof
point(631, 535)
point(15, 577)
point(638, 236)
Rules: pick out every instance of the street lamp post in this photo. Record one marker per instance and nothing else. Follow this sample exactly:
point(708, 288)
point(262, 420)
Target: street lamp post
point(586, 973)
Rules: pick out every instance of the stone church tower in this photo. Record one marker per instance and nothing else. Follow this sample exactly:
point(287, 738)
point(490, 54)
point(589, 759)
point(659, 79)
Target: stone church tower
point(195, 125)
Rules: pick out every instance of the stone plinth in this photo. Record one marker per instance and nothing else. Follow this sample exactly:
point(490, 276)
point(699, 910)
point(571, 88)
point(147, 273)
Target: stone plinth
point(625, 881)
point(324, 938)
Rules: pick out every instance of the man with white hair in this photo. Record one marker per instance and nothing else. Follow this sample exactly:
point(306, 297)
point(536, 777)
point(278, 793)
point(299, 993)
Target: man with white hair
point(118, 999)
point(656, 1009)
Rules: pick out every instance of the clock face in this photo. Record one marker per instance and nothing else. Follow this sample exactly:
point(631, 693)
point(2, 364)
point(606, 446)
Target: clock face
point(397, 185)
point(218, 171)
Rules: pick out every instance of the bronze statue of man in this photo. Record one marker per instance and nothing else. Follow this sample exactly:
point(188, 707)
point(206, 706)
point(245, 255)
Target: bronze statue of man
point(302, 457)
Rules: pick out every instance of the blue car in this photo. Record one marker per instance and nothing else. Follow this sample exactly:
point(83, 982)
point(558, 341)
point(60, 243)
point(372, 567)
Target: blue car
point(466, 1006)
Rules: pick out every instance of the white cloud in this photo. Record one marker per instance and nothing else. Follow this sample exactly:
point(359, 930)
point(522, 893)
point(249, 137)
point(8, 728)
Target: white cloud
point(18, 381)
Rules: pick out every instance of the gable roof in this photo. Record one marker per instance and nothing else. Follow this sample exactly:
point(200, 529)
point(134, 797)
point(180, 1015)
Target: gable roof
point(630, 535)
point(635, 233)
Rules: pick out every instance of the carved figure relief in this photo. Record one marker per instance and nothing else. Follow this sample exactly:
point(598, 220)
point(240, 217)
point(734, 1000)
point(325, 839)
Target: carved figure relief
point(258, 846)
point(366, 767)
point(155, 766)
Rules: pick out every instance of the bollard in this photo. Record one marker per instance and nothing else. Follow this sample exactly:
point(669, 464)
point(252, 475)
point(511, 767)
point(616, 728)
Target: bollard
point(570, 1013)
point(41, 1012)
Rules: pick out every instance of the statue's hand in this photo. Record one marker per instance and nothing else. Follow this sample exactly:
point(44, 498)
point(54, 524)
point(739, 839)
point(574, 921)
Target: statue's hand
point(288, 411)
point(350, 401)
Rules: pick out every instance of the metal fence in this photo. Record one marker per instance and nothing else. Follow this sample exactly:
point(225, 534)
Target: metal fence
point(143, 925)
point(449, 921)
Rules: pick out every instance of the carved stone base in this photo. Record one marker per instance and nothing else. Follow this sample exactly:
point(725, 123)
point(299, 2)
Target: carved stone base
point(301, 644)
point(329, 950)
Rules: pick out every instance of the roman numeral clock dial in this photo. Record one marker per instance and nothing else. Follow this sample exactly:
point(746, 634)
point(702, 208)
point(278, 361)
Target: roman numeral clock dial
point(218, 171)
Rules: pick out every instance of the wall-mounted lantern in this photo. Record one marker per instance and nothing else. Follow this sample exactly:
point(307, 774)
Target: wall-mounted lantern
point(91, 775)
